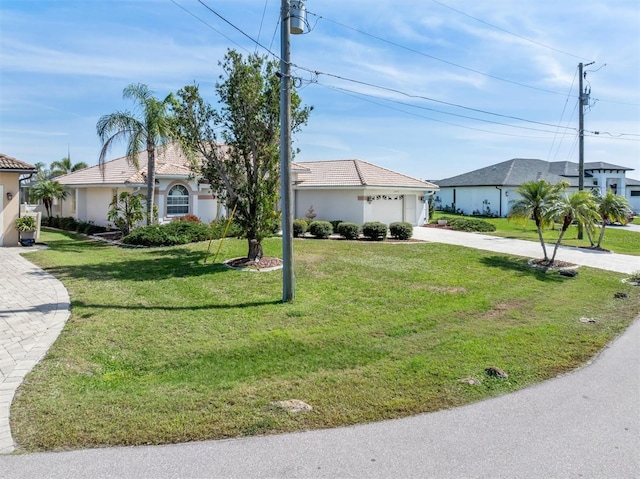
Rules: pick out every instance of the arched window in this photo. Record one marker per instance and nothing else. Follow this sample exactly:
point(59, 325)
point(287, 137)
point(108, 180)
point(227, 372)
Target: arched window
point(178, 201)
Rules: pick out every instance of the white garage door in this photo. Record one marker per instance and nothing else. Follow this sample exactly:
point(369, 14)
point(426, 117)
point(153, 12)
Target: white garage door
point(387, 208)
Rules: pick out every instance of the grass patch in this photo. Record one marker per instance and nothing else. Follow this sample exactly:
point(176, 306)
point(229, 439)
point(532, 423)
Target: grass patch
point(162, 348)
point(615, 239)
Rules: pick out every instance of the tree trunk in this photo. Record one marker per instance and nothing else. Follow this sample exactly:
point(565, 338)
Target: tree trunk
point(544, 248)
point(602, 228)
point(151, 180)
point(255, 250)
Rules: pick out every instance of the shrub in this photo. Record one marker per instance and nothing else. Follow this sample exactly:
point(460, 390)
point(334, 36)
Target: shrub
point(374, 230)
point(350, 231)
point(26, 223)
point(300, 227)
point(320, 229)
point(470, 224)
point(68, 223)
point(401, 230)
point(218, 227)
point(334, 225)
point(174, 233)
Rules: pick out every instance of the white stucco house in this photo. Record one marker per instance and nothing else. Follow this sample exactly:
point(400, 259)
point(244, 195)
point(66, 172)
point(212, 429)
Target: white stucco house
point(347, 190)
point(357, 191)
point(493, 187)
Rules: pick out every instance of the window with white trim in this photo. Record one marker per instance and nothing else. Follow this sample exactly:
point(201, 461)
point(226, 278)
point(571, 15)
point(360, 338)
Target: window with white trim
point(178, 201)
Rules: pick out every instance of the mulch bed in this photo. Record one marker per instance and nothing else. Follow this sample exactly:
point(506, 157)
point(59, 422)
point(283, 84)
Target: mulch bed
point(557, 264)
point(265, 262)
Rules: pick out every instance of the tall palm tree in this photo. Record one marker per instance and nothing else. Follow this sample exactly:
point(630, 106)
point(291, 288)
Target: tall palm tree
point(64, 166)
point(535, 199)
point(148, 130)
point(612, 208)
point(580, 206)
point(47, 190)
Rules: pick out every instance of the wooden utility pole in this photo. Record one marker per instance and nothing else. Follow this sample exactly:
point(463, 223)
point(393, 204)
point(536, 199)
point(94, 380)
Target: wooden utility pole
point(583, 100)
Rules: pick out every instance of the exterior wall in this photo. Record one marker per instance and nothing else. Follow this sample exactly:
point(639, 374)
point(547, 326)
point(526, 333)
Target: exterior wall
point(475, 198)
point(609, 179)
point(362, 205)
point(9, 208)
point(633, 195)
point(330, 205)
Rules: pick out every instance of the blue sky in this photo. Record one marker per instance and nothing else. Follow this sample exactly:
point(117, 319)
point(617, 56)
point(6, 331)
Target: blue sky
point(431, 89)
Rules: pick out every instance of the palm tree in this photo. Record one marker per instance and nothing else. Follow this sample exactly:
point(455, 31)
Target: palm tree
point(535, 199)
point(580, 206)
point(148, 130)
point(612, 208)
point(64, 166)
point(47, 190)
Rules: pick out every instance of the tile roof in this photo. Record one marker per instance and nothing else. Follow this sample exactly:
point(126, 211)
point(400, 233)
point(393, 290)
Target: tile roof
point(353, 173)
point(516, 171)
point(8, 163)
point(170, 161)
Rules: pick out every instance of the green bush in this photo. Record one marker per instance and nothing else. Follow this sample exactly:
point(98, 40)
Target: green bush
point(321, 229)
point(300, 227)
point(401, 230)
point(174, 233)
point(374, 230)
point(350, 231)
point(334, 225)
point(469, 224)
point(218, 227)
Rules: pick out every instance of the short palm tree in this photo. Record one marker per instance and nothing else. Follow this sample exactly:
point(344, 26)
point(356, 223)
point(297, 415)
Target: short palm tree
point(64, 166)
point(580, 206)
point(535, 199)
point(46, 190)
point(149, 129)
point(612, 208)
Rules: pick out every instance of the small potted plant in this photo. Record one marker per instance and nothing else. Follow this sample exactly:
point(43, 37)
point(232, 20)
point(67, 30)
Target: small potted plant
point(27, 227)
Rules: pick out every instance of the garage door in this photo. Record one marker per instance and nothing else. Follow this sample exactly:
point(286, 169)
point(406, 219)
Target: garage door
point(387, 208)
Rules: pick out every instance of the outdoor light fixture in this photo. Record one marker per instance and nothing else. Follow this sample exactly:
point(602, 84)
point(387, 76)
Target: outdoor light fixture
point(9, 195)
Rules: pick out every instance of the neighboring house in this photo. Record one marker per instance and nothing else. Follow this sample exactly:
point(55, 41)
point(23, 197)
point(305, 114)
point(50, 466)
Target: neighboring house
point(358, 191)
point(349, 190)
point(11, 171)
point(492, 188)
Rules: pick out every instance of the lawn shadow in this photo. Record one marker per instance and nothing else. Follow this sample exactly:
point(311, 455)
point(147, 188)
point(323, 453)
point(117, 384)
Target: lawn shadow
point(521, 266)
point(202, 307)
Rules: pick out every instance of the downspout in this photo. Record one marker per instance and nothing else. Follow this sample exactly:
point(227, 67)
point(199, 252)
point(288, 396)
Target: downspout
point(500, 190)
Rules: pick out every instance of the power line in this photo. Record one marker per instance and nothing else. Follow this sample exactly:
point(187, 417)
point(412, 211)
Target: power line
point(404, 47)
point(360, 94)
point(507, 31)
point(360, 82)
point(208, 25)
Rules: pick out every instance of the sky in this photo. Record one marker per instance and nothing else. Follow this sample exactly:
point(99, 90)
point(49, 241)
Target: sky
point(431, 89)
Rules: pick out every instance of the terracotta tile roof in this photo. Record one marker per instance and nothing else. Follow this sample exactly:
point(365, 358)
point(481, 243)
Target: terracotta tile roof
point(354, 173)
point(170, 160)
point(8, 163)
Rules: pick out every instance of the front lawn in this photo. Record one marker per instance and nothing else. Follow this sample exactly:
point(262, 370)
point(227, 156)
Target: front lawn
point(162, 348)
point(615, 239)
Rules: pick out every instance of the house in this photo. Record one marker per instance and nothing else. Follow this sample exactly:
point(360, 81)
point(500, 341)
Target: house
point(178, 192)
point(349, 190)
point(11, 172)
point(357, 191)
point(489, 190)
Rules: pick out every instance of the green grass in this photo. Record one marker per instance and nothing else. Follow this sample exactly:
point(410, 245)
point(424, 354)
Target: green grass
point(615, 239)
point(162, 348)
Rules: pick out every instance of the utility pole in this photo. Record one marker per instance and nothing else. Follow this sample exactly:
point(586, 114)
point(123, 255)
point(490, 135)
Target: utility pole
point(583, 100)
point(286, 188)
